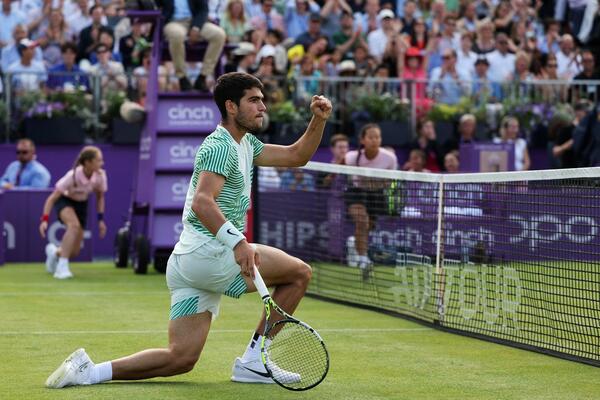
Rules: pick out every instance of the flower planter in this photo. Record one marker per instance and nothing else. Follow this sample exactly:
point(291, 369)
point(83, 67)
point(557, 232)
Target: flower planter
point(57, 130)
point(393, 133)
point(123, 132)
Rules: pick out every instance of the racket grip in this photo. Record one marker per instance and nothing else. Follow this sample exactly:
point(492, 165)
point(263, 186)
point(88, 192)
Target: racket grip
point(260, 284)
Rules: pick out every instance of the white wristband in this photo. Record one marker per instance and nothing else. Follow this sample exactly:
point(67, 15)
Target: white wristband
point(229, 235)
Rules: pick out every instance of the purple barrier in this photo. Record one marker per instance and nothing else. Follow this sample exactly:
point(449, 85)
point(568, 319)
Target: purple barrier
point(120, 162)
point(3, 231)
point(505, 226)
point(23, 241)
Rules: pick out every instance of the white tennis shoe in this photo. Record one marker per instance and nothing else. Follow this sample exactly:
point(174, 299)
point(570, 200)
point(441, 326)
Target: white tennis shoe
point(51, 258)
point(75, 370)
point(254, 372)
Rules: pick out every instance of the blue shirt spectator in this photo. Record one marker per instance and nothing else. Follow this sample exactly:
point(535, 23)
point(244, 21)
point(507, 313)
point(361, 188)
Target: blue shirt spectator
point(25, 172)
point(296, 16)
point(10, 53)
point(9, 18)
point(297, 180)
point(67, 73)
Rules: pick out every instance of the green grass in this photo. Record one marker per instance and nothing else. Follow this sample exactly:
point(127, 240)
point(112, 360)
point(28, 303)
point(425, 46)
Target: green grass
point(553, 307)
point(112, 313)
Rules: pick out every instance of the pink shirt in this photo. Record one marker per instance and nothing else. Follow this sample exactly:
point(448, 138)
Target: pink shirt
point(80, 192)
point(384, 159)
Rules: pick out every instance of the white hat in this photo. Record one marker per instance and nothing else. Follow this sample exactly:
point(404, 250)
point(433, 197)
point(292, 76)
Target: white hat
point(267, 50)
point(385, 13)
point(346, 66)
point(244, 48)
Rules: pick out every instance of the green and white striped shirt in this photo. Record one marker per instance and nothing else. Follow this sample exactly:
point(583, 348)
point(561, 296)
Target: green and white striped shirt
point(221, 154)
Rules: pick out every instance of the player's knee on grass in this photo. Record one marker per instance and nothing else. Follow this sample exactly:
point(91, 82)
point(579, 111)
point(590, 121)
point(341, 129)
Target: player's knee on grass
point(183, 361)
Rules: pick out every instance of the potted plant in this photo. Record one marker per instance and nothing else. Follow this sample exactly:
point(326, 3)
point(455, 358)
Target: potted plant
point(56, 118)
point(286, 122)
point(446, 117)
point(388, 111)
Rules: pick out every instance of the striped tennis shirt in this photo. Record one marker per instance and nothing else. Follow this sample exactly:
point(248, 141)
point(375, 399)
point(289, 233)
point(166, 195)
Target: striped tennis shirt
point(221, 154)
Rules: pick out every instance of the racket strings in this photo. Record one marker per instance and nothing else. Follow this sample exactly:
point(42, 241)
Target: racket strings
point(296, 356)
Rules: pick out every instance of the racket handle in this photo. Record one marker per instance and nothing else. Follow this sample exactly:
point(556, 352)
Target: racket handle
point(260, 284)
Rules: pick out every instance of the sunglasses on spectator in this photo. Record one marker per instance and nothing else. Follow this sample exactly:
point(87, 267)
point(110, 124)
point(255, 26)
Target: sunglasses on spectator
point(552, 65)
point(446, 57)
point(19, 152)
point(503, 42)
point(588, 60)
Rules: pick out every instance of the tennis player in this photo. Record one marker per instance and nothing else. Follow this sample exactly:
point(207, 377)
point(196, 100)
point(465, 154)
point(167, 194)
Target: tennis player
point(212, 256)
point(70, 200)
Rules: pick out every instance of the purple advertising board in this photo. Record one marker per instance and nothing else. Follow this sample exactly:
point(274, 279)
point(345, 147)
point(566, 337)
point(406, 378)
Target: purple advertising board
point(176, 154)
point(3, 231)
point(119, 163)
point(170, 191)
point(166, 230)
point(507, 225)
point(192, 115)
point(487, 157)
point(22, 239)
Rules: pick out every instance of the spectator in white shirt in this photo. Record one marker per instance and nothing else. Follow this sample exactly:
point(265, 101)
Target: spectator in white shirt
point(377, 40)
point(466, 56)
point(27, 74)
point(502, 62)
point(569, 62)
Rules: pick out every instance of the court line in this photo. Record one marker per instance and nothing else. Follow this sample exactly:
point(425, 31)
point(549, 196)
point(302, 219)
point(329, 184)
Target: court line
point(164, 331)
point(111, 293)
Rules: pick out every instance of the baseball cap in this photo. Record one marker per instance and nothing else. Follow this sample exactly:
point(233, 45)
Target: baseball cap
point(27, 43)
point(385, 13)
point(315, 16)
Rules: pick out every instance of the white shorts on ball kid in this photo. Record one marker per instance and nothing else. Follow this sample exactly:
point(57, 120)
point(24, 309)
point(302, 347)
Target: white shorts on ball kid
point(197, 280)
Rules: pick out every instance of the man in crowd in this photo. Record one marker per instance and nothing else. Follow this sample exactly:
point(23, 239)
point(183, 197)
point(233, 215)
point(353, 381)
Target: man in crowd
point(25, 172)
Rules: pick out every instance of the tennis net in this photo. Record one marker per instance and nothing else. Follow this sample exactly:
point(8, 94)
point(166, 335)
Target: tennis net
point(509, 257)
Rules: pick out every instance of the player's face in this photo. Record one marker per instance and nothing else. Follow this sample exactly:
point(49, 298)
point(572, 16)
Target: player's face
point(251, 111)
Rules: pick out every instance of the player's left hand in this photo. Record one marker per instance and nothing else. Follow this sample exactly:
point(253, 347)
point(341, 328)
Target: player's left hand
point(321, 107)
point(101, 229)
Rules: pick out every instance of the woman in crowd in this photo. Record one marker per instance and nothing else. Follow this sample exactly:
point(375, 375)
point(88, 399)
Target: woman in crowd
point(509, 133)
point(70, 200)
point(365, 197)
point(234, 21)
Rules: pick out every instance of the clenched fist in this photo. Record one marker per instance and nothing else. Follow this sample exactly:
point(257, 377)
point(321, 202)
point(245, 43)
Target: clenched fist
point(321, 107)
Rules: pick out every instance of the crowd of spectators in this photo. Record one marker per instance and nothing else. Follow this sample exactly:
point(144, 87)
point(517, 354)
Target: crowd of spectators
point(460, 48)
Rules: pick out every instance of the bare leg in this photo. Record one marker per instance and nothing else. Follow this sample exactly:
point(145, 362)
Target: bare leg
point(359, 215)
point(288, 274)
point(187, 336)
point(71, 241)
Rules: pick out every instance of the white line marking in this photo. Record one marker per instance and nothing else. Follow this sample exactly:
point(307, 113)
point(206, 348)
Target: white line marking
point(164, 331)
point(124, 293)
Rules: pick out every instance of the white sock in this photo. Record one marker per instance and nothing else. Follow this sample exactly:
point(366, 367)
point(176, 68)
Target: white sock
point(63, 263)
point(101, 373)
point(253, 349)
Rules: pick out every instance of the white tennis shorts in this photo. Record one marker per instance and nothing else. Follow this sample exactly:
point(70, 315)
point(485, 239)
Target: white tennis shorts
point(197, 280)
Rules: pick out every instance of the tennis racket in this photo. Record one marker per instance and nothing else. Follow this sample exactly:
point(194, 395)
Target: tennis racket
point(292, 352)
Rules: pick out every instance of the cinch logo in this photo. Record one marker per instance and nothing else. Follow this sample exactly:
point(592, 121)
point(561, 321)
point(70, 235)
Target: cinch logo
point(183, 152)
point(196, 114)
point(179, 190)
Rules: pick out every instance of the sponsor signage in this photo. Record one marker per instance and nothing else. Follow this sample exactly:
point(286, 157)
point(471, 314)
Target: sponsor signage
point(187, 116)
point(177, 153)
point(170, 191)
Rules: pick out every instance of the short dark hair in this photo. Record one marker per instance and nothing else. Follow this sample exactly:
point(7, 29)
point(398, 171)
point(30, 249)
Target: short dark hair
point(338, 137)
point(68, 46)
point(232, 86)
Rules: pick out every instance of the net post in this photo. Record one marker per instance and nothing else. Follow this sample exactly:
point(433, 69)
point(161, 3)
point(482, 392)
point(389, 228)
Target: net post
point(438, 253)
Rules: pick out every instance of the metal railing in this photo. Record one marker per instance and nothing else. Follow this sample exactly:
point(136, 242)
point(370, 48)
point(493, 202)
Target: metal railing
point(94, 98)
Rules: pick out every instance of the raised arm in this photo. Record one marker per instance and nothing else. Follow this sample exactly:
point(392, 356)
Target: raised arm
point(300, 152)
